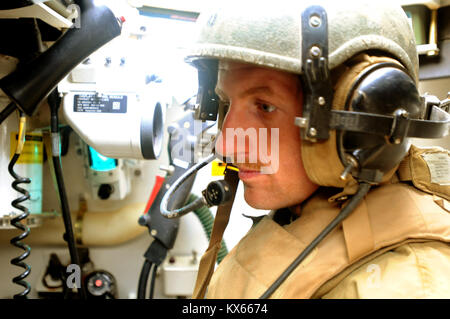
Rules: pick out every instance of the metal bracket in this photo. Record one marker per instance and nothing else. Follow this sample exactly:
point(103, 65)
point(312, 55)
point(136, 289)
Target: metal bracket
point(316, 75)
point(207, 100)
point(400, 126)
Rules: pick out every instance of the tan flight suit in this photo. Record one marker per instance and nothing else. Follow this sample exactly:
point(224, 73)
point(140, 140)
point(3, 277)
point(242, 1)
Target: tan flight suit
point(396, 244)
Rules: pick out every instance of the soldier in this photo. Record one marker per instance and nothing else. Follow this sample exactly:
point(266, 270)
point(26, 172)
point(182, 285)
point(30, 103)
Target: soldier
point(357, 212)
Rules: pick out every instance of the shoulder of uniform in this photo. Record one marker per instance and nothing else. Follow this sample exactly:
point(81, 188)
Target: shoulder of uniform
point(412, 270)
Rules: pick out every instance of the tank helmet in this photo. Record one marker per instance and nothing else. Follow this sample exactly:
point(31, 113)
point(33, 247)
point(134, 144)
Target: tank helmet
point(358, 64)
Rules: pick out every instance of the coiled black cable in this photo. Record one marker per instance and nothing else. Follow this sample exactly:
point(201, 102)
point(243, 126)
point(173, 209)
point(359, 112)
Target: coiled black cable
point(16, 221)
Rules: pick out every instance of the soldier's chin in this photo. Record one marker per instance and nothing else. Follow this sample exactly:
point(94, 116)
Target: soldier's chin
point(260, 200)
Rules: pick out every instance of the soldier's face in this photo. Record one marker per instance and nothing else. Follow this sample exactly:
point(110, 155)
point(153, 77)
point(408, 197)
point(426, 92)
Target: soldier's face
point(259, 134)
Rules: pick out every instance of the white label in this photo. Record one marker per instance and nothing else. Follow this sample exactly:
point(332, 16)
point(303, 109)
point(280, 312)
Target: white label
point(116, 105)
point(439, 166)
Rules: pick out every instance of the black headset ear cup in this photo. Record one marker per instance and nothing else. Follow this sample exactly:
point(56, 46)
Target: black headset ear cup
point(382, 88)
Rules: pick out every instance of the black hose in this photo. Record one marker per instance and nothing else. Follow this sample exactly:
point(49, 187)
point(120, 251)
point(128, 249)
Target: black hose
point(168, 195)
point(69, 237)
point(16, 241)
point(143, 278)
point(7, 111)
point(152, 281)
point(353, 202)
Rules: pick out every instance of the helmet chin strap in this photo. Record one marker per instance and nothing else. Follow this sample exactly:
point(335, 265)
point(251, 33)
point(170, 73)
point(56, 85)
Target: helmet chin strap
point(208, 261)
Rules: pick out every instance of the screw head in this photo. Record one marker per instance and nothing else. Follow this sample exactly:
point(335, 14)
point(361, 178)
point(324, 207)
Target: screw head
point(312, 131)
point(315, 51)
point(321, 101)
point(315, 21)
point(301, 122)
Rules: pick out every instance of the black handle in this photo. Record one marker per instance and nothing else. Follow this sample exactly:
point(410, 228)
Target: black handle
point(29, 85)
point(160, 227)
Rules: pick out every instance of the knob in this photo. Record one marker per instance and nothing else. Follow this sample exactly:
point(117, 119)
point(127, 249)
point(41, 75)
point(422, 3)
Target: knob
point(101, 284)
